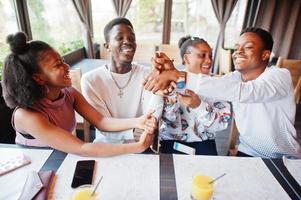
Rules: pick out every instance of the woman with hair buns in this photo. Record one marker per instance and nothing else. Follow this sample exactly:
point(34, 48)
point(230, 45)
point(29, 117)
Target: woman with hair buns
point(187, 118)
point(37, 84)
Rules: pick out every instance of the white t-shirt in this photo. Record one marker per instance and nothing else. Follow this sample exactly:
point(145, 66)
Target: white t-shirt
point(264, 110)
point(102, 93)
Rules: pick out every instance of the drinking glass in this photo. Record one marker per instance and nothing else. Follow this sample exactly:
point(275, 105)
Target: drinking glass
point(201, 188)
point(84, 192)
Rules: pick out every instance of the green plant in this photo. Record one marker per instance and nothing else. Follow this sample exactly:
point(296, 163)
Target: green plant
point(1, 66)
point(148, 12)
point(69, 46)
point(3, 54)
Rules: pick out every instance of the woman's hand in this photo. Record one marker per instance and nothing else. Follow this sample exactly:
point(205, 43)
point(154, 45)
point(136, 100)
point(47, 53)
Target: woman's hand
point(147, 122)
point(190, 99)
point(145, 141)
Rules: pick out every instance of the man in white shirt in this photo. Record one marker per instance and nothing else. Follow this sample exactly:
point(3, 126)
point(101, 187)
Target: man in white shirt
point(262, 97)
point(116, 89)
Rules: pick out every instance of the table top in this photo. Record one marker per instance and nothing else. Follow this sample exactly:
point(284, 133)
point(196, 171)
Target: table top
point(168, 186)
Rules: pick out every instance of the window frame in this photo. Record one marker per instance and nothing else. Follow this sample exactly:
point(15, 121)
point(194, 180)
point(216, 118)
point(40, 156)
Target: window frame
point(24, 22)
point(24, 25)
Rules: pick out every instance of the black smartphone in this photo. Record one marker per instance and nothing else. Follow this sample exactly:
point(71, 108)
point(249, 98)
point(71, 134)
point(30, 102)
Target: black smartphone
point(83, 173)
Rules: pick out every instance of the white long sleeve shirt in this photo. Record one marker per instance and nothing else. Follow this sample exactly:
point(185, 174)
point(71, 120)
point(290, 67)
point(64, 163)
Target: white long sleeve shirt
point(264, 110)
point(101, 92)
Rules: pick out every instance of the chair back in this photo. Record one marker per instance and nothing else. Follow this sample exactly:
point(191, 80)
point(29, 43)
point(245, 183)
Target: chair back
point(144, 53)
point(233, 136)
point(225, 61)
point(294, 66)
point(81, 123)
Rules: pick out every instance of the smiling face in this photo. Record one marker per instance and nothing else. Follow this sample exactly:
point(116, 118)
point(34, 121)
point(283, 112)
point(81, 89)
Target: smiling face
point(122, 44)
point(249, 54)
point(199, 58)
point(53, 71)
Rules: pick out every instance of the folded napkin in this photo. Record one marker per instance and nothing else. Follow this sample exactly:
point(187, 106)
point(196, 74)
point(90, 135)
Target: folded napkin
point(37, 185)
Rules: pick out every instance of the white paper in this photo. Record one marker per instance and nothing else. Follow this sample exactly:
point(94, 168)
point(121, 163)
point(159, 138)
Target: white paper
point(294, 167)
point(246, 178)
point(12, 183)
point(128, 177)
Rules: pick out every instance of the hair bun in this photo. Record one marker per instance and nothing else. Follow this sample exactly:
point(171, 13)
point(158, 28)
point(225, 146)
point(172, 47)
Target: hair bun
point(17, 42)
point(182, 40)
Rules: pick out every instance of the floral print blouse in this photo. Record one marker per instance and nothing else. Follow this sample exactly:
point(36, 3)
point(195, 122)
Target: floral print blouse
point(193, 125)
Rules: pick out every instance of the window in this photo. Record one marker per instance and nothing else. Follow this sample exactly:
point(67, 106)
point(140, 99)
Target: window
point(234, 24)
point(57, 23)
point(102, 12)
point(9, 25)
point(195, 18)
point(145, 15)
point(147, 19)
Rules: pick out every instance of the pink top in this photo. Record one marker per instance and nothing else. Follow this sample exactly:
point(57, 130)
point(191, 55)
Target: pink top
point(60, 113)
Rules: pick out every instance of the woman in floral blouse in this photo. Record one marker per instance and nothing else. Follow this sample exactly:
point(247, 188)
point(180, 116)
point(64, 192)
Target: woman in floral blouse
point(187, 118)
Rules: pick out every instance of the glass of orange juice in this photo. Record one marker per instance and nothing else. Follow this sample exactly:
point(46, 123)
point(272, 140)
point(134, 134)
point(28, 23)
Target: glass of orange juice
point(84, 192)
point(201, 188)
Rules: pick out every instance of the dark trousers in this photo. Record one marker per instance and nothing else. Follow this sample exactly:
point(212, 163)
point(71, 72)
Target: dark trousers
point(241, 154)
point(148, 151)
point(207, 147)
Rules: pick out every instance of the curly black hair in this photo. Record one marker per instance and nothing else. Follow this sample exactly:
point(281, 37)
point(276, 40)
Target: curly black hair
point(18, 87)
point(264, 35)
point(114, 22)
point(189, 41)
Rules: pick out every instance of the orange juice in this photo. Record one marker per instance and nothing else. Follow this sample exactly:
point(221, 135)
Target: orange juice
point(201, 187)
point(83, 193)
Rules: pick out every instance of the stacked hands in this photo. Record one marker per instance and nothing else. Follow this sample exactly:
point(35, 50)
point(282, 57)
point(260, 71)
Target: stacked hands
point(161, 81)
point(149, 124)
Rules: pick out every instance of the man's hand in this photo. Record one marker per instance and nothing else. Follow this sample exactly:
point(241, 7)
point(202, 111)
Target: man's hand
point(168, 90)
point(161, 61)
point(155, 81)
point(190, 99)
point(162, 74)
